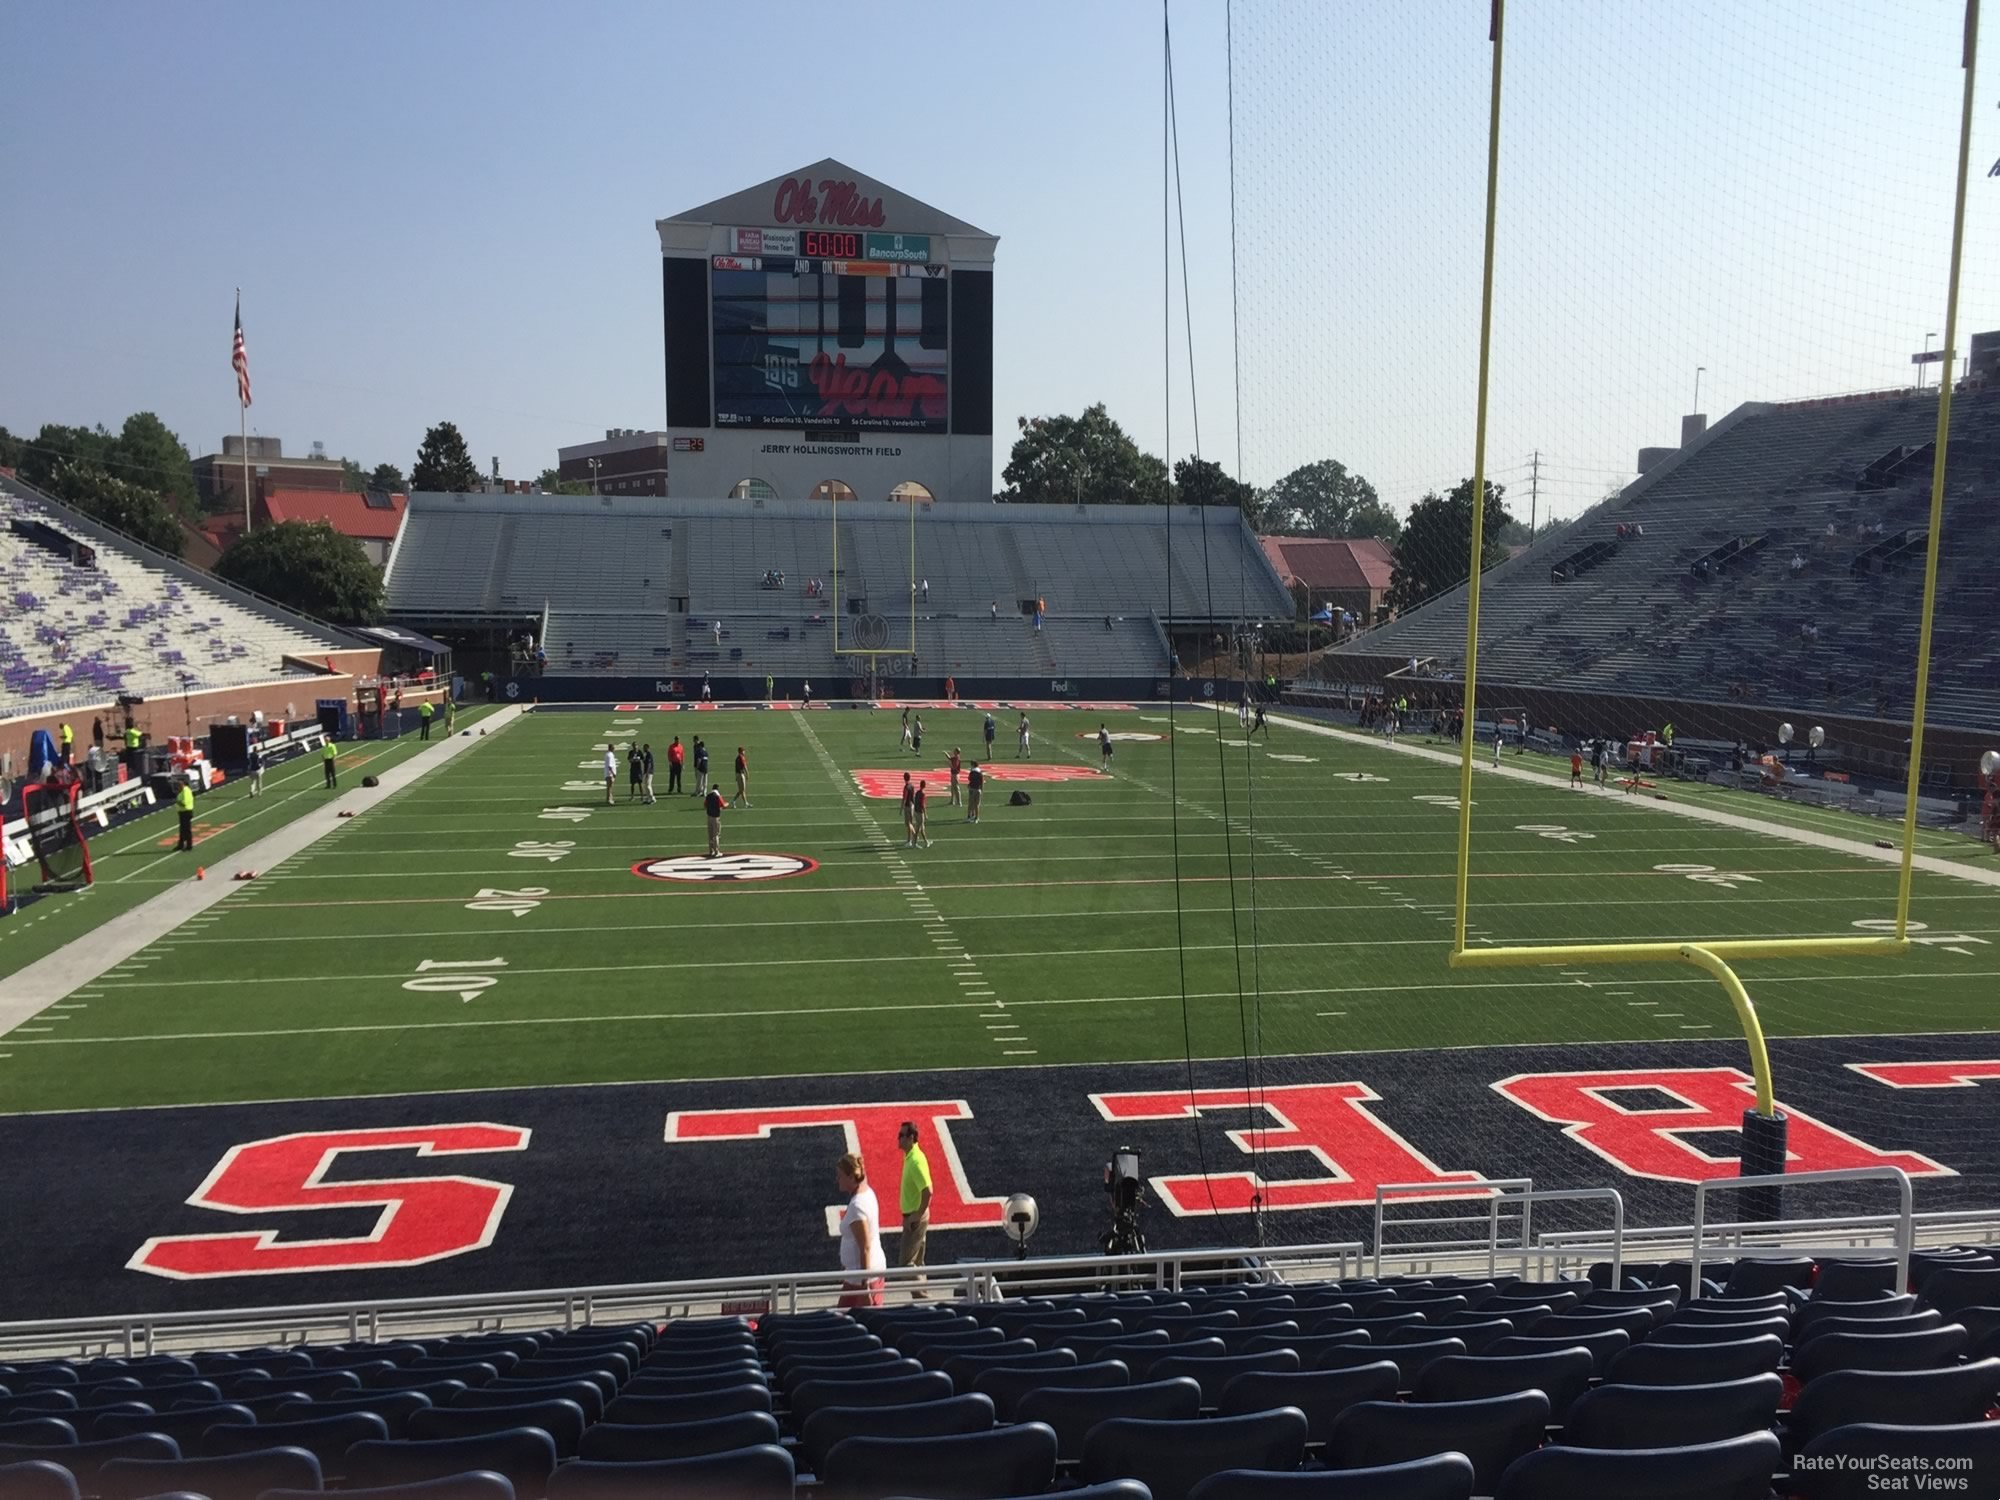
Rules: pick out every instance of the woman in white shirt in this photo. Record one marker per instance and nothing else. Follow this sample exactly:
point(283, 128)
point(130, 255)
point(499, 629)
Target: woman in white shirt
point(860, 1234)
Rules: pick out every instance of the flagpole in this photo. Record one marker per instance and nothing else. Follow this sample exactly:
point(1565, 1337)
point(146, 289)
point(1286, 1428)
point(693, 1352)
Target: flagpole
point(243, 427)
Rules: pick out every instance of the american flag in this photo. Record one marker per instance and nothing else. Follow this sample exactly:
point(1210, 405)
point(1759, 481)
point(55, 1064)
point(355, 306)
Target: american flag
point(239, 357)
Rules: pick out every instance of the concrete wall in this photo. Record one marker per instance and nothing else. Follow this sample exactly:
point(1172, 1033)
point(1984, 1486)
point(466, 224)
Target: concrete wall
point(159, 717)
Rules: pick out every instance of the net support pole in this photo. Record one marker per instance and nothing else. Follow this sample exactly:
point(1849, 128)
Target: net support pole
point(1918, 706)
point(1477, 541)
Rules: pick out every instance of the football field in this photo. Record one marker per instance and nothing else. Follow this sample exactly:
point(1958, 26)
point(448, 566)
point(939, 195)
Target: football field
point(497, 925)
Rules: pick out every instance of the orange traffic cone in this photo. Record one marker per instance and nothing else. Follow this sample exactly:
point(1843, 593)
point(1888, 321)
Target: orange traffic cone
point(201, 872)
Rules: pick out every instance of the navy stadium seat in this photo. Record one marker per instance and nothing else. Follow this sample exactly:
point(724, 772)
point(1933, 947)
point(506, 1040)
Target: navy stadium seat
point(37, 1402)
point(1213, 1372)
point(394, 1407)
point(646, 1383)
point(1306, 1345)
point(325, 1438)
point(1837, 1465)
point(37, 1480)
point(563, 1421)
point(1602, 1347)
point(1893, 1306)
point(964, 1369)
point(1635, 1321)
point(182, 1426)
point(691, 1408)
point(1321, 1394)
point(38, 1432)
point(525, 1456)
point(1694, 1364)
point(833, 1424)
point(1071, 1413)
point(1853, 1280)
point(937, 1356)
point(1142, 1357)
point(616, 1442)
point(1734, 1469)
point(1442, 1476)
point(1914, 1322)
point(227, 1477)
point(583, 1392)
point(1171, 1457)
point(1652, 1416)
point(1006, 1386)
point(1951, 1394)
point(1686, 1331)
point(470, 1371)
point(759, 1473)
point(1929, 1349)
point(1492, 1432)
point(1559, 1374)
point(898, 1390)
point(1090, 1351)
point(1952, 1287)
point(1410, 1359)
point(1752, 1277)
point(475, 1485)
point(84, 1459)
point(1005, 1461)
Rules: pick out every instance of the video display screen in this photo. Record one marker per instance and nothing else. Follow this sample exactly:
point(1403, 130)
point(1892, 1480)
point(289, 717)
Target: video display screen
point(830, 344)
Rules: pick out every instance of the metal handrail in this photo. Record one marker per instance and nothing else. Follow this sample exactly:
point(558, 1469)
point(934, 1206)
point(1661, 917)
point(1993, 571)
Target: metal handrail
point(1904, 1220)
point(989, 1280)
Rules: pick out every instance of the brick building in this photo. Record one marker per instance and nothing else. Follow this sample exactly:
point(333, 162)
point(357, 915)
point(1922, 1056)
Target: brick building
point(627, 462)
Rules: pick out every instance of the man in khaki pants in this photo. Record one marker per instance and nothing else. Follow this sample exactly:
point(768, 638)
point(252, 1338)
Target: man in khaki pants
point(916, 1197)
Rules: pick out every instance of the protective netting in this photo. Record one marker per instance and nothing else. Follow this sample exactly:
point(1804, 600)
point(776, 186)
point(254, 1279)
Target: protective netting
point(1722, 233)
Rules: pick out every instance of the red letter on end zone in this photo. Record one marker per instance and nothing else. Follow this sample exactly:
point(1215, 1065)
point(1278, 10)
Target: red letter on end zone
point(1647, 1142)
point(1930, 1075)
point(1329, 1121)
point(423, 1218)
point(871, 1130)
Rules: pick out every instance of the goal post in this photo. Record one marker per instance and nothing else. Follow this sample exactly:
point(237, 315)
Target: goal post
point(875, 633)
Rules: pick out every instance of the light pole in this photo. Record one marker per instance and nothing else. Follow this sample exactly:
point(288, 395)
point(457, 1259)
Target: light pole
point(595, 465)
point(1698, 371)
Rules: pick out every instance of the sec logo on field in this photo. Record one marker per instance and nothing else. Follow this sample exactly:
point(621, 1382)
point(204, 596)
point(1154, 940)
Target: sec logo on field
point(698, 868)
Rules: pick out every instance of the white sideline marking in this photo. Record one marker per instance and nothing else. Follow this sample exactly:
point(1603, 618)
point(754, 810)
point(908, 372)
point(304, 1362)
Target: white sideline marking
point(1976, 874)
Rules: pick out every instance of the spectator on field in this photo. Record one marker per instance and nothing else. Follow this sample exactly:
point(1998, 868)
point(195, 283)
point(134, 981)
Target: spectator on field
point(975, 787)
point(676, 756)
point(700, 767)
point(610, 774)
point(635, 762)
point(916, 1197)
point(68, 737)
point(184, 802)
point(97, 734)
point(860, 1235)
point(712, 804)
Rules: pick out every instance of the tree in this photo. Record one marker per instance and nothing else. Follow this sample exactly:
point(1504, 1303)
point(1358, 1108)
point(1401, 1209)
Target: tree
point(1197, 481)
point(351, 478)
point(386, 477)
point(137, 512)
point(444, 462)
point(11, 449)
point(146, 454)
point(1435, 549)
point(553, 483)
point(1063, 460)
point(1324, 499)
point(310, 567)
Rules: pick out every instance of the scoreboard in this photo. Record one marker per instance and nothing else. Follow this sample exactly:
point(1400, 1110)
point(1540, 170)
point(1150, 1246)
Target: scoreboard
point(830, 328)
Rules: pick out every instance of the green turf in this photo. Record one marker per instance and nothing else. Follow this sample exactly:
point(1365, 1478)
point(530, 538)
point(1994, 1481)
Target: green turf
point(133, 861)
point(1297, 910)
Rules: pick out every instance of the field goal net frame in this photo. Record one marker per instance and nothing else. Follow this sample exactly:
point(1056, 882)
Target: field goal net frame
point(1713, 958)
point(872, 654)
point(49, 809)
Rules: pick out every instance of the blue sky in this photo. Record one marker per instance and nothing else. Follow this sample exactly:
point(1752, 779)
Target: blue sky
point(446, 210)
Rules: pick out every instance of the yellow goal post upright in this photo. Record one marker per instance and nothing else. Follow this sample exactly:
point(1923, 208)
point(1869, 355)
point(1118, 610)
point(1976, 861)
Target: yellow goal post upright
point(871, 643)
point(1763, 1126)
